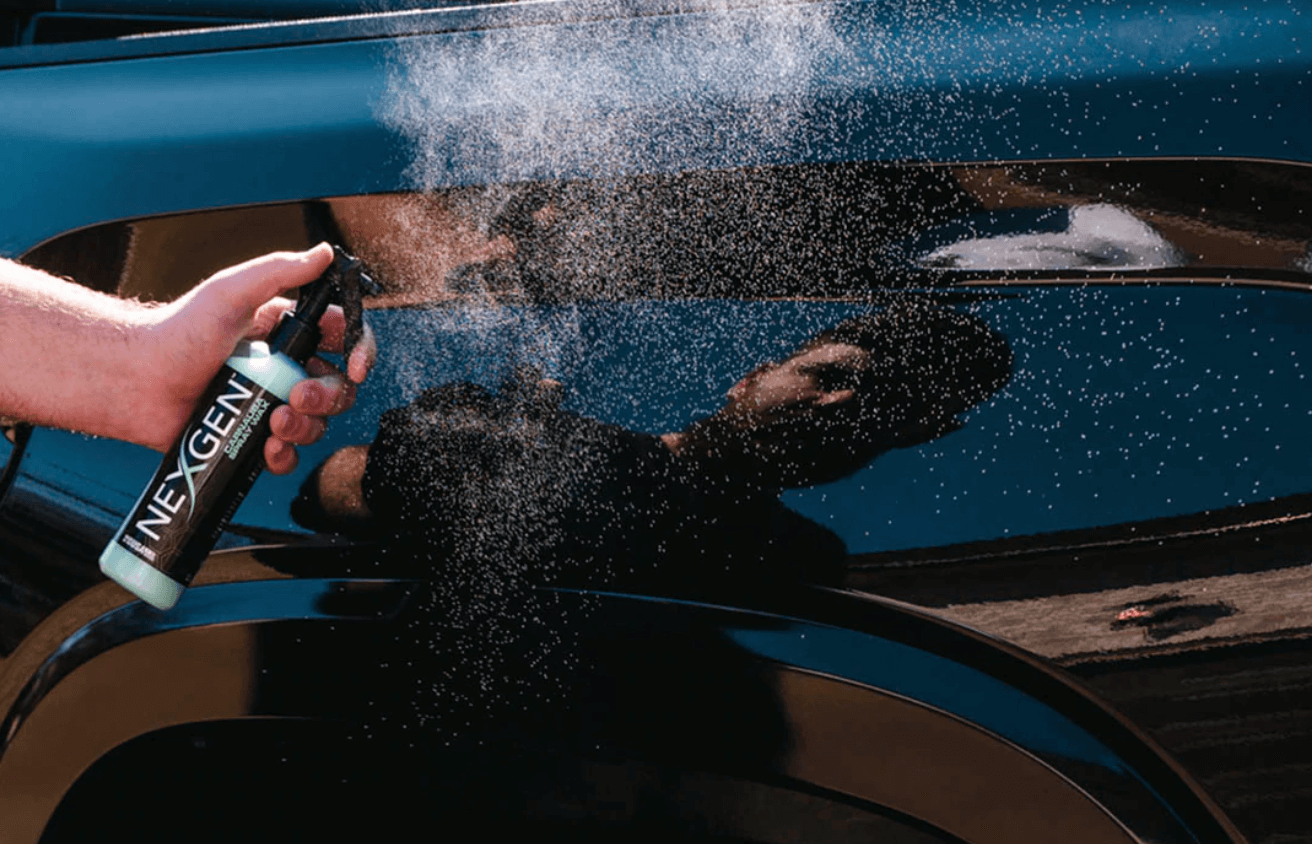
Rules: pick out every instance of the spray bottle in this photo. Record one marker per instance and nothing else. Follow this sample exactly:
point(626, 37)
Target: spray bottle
point(205, 475)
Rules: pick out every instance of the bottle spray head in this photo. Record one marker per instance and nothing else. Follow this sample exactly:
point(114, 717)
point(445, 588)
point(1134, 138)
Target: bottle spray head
point(352, 286)
point(344, 283)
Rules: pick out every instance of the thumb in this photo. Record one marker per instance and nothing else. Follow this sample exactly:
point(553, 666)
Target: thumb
point(230, 298)
point(251, 284)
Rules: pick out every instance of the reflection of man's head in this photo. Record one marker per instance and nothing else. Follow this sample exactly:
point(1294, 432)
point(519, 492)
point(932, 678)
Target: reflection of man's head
point(879, 381)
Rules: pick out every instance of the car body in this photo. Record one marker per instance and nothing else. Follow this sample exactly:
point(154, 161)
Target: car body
point(1081, 614)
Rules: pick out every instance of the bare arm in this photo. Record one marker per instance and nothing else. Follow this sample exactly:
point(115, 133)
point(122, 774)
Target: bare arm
point(85, 361)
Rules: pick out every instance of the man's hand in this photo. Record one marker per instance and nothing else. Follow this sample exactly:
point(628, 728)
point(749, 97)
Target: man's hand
point(191, 337)
point(85, 361)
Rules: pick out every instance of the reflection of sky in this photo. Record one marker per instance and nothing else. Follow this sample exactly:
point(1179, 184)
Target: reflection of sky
point(1128, 403)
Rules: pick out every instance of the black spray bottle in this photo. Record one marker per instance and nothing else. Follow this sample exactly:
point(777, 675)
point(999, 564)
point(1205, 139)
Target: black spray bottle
point(208, 471)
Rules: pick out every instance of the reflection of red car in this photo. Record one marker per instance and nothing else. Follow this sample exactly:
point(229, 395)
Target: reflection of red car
point(640, 205)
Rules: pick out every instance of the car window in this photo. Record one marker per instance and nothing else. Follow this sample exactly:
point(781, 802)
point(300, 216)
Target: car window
point(1147, 364)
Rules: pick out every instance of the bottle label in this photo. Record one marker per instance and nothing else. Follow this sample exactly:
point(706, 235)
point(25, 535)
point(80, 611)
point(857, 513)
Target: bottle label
point(203, 477)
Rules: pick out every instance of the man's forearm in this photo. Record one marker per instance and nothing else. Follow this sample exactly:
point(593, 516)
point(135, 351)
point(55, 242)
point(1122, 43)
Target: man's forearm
point(69, 353)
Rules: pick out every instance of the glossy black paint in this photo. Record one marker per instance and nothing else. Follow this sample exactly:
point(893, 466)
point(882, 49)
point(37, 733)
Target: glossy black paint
point(233, 603)
point(347, 649)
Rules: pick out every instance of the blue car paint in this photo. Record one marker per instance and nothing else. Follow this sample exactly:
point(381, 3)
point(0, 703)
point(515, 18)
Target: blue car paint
point(100, 140)
point(1031, 460)
point(1127, 404)
point(1218, 420)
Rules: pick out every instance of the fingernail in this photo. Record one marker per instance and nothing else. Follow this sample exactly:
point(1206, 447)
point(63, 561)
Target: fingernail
point(278, 422)
point(308, 253)
point(358, 366)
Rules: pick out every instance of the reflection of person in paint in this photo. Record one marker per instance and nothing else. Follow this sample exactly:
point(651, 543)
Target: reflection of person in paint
point(487, 478)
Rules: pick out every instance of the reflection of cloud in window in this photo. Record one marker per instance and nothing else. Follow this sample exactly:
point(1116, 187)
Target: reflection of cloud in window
point(1096, 236)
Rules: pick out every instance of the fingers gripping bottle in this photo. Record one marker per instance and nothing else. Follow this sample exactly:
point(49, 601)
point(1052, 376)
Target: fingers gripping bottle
point(208, 471)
